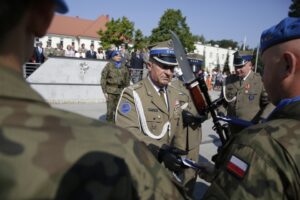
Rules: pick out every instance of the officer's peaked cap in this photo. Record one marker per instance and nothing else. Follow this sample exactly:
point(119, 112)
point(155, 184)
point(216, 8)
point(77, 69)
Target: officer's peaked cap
point(285, 30)
point(163, 52)
point(240, 60)
point(195, 61)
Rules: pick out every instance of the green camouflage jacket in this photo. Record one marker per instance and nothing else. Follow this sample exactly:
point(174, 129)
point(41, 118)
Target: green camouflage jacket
point(114, 80)
point(53, 154)
point(263, 161)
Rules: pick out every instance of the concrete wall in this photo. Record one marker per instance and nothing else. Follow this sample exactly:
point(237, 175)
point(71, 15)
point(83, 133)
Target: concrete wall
point(69, 80)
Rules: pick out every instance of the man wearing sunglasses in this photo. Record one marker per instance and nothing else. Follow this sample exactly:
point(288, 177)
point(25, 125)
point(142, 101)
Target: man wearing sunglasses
point(244, 94)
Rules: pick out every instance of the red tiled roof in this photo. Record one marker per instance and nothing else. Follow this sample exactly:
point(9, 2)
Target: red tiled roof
point(77, 27)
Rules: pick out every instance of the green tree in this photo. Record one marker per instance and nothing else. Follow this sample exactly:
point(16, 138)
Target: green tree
point(224, 43)
point(228, 43)
point(199, 38)
point(118, 31)
point(294, 9)
point(173, 20)
point(139, 40)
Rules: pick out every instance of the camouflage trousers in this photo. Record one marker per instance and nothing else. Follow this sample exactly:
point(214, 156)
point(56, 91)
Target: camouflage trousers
point(111, 105)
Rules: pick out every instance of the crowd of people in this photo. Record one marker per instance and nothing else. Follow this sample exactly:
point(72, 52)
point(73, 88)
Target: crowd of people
point(47, 153)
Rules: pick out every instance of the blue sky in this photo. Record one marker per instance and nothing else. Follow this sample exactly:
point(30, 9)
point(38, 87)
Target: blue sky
point(214, 19)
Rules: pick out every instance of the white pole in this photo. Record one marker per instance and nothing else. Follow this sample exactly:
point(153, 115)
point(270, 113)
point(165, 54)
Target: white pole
point(256, 59)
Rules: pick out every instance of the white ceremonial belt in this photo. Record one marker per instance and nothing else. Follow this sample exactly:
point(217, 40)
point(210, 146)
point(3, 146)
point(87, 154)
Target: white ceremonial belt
point(141, 113)
point(224, 93)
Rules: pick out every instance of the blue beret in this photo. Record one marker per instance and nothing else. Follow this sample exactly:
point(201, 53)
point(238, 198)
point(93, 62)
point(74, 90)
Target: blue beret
point(114, 53)
point(287, 29)
point(61, 6)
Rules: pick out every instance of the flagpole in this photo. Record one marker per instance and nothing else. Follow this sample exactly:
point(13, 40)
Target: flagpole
point(256, 59)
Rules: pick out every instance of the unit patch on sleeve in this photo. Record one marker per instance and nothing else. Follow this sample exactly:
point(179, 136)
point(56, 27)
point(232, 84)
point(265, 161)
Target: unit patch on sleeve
point(125, 107)
point(237, 166)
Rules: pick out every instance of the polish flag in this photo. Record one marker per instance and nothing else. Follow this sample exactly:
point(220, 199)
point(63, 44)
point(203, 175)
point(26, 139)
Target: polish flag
point(237, 166)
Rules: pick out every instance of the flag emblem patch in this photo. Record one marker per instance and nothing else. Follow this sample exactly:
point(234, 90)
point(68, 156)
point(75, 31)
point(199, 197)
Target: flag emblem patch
point(237, 166)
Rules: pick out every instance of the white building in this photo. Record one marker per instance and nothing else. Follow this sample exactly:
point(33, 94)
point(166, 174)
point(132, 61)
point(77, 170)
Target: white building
point(215, 56)
point(67, 30)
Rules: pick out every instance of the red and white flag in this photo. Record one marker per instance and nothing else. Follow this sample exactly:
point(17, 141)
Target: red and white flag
point(237, 166)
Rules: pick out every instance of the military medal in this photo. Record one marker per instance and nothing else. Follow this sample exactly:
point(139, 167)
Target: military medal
point(177, 103)
point(247, 87)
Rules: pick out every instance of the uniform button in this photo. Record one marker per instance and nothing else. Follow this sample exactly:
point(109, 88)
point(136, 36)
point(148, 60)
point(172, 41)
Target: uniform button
point(158, 116)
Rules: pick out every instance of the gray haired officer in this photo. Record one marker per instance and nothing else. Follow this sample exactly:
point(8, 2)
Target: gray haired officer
point(244, 94)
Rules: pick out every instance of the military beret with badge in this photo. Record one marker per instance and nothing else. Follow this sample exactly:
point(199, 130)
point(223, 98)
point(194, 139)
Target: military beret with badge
point(285, 30)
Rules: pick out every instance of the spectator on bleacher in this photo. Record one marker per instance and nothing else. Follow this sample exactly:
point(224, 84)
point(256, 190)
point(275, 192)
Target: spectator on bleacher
point(69, 52)
point(100, 54)
point(59, 51)
point(39, 53)
point(91, 53)
point(81, 51)
point(49, 50)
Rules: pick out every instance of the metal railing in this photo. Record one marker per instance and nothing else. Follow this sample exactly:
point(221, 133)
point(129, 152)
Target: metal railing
point(137, 74)
point(29, 68)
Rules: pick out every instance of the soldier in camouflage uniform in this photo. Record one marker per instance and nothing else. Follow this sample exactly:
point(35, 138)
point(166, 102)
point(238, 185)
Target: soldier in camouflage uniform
point(263, 161)
point(59, 51)
point(49, 50)
point(52, 154)
point(244, 94)
point(114, 78)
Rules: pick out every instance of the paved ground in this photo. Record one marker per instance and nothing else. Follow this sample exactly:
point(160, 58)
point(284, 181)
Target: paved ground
point(208, 146)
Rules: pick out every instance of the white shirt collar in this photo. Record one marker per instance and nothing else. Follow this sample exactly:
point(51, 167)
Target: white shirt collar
point(247, 75)
point(154, 86)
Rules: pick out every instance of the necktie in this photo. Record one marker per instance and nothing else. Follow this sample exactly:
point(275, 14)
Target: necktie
point(162, 95)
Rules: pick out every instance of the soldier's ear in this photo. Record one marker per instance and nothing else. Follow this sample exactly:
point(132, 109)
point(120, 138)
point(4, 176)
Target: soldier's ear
point(290, 63)
point(149, 65)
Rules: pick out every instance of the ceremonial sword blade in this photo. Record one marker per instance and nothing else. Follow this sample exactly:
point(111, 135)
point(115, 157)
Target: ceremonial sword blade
point(187, 73)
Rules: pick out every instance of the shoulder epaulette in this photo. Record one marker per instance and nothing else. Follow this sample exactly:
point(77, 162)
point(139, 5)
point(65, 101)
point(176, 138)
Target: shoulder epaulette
point(257, 74)
point(135, 86)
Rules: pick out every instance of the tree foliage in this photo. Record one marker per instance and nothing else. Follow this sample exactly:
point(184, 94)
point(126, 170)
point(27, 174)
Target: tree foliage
point(199, 38)
point(118, 31)
point(139, 40)
point(224, 43)
point(294, 9)
point(173, 20)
